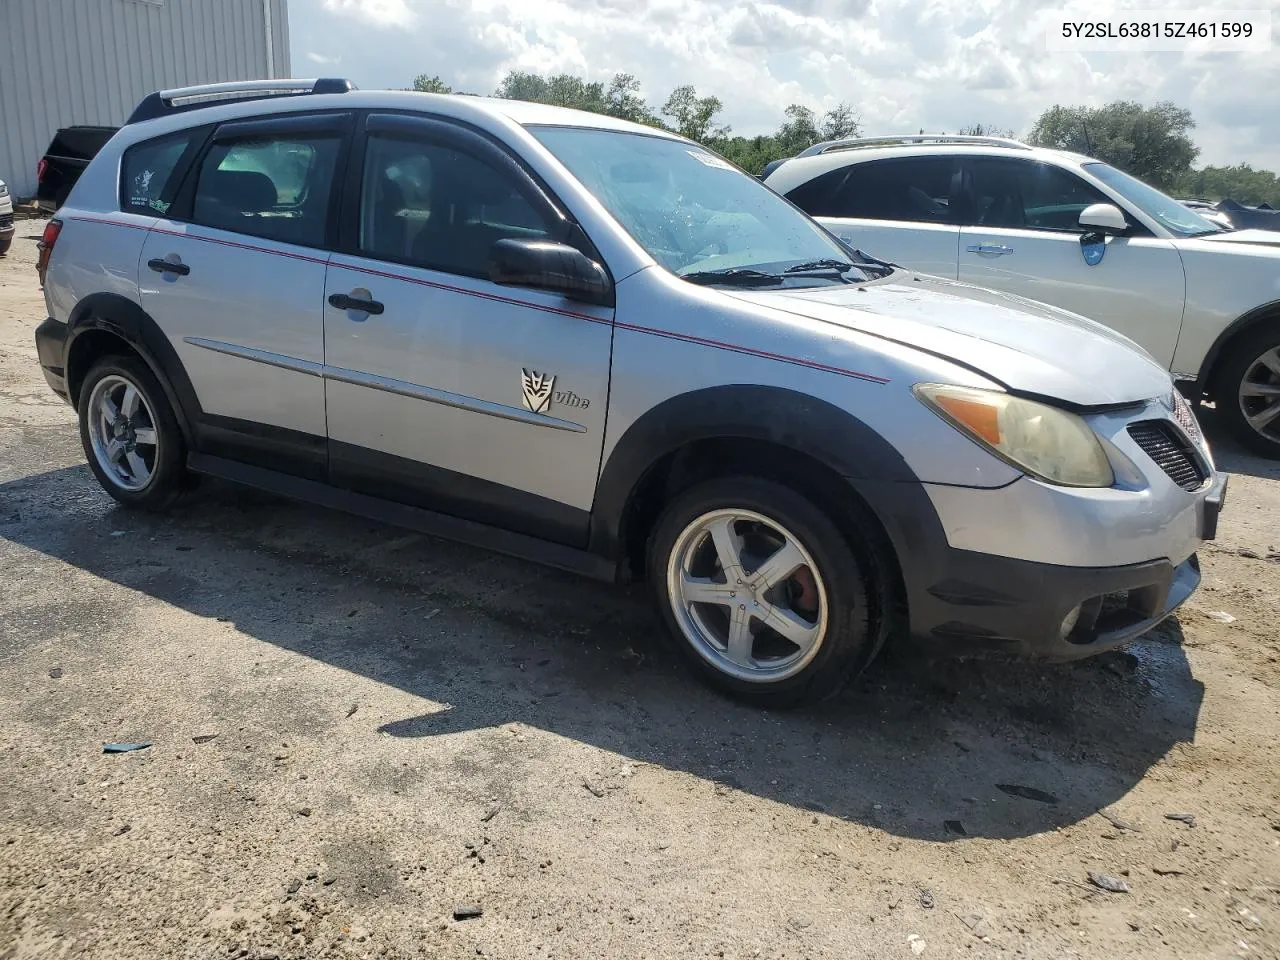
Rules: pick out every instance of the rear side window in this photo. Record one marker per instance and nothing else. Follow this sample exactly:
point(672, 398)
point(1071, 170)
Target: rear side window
point(917, 189)
point(148, 180)
point(276, 188)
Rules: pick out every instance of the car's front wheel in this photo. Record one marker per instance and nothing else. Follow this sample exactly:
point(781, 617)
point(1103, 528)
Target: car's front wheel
point(762, 592)
point(1248, 391)
point(130, 436)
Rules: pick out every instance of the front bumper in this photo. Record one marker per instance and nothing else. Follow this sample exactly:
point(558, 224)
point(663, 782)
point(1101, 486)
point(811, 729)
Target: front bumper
point(51, 346)
point(1019, 608)
point(967, 602)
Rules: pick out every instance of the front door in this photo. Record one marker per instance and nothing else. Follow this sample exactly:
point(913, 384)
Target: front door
point(1025, 239)
point(444, 389)
point(234, 275)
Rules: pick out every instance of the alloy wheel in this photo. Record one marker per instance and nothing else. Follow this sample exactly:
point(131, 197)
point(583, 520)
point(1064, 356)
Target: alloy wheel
point(1259, 394)
point(747, 595)
point(122, 431)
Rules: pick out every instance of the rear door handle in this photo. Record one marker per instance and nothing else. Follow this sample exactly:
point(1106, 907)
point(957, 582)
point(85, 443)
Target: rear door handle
point(346, 302)
point(160, 265)
point(995, 249)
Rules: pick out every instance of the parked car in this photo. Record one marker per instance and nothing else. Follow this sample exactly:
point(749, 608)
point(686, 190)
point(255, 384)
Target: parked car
point(598, 345)
point(1073, 232)
point(1208, 210)
point(1242, 217)
point(6, 219)
point(66, 158)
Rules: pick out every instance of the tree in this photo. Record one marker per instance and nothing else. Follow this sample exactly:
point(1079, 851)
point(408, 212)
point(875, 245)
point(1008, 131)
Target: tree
point(623, 100)
point(695, 116)
point(1241, 183)
point(985, 130)
point(839, 122)
point(424, 84)
point(1152, 143)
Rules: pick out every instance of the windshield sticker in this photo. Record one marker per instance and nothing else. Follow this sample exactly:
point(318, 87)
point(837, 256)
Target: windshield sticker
point(710, 160)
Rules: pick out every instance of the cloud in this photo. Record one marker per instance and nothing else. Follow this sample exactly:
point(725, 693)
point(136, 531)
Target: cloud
point(904, 64)
point(382, 13)
point(322, 59)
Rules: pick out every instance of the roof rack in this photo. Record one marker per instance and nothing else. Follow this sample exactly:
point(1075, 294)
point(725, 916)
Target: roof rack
point(859, 143)
point(165, 102)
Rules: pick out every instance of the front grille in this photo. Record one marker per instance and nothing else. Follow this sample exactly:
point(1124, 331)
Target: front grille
point(1162, 442)
point(6, 221)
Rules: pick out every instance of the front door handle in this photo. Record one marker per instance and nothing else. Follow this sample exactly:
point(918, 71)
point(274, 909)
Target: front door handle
point(344, 301)
point(995, 249)
point(160, 265)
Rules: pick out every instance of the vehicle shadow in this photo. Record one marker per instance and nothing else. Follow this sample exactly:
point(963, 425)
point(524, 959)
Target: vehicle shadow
point(1230, 455)
point(924, 750)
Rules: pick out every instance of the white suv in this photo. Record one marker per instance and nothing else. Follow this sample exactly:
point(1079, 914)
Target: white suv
point(1070, 231)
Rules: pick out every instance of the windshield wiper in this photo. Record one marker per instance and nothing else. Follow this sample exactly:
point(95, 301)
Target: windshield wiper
point(813, 266)
point(733, 276)
point(869, 261)
point(871, 268)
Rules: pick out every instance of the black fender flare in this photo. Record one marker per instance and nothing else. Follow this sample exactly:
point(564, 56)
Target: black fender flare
point(122, 317)
point(1259, 314)
point(788, 418)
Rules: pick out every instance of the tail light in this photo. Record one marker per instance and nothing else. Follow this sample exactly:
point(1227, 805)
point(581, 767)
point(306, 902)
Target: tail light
point(41, 167)
point(51, 231)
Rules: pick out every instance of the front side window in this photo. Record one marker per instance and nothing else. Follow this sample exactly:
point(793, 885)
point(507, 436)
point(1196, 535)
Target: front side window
point(692, 211)
point(146, 171)
point(1029, 195)
point(434, 206)
point(278, 189)
point(1165, 210)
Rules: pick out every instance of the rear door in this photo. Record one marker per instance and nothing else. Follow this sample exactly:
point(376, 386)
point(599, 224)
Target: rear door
point(1024, 238)
point(897, 209)
point(234, 275)
point(444, 389)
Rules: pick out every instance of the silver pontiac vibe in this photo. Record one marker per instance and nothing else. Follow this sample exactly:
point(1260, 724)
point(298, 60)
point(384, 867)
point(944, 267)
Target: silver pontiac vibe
point(601, 346)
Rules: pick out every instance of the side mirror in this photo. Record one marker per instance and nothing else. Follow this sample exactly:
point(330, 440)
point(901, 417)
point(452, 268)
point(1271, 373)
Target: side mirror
point(1104, 218)
point(546, 265)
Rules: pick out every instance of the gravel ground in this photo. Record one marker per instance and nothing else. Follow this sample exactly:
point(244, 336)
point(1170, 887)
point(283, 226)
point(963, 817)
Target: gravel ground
point(403, 727)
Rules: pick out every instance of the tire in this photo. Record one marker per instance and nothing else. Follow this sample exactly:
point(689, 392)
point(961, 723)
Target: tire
point(776, 671)
point(164, 460)
point(6, 241)
point(1243, 365)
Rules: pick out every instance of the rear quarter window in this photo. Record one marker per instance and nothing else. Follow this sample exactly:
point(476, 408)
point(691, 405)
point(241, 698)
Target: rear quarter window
point(149, 174)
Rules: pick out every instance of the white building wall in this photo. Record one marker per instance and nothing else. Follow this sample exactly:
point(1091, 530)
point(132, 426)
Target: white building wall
point(65, 62)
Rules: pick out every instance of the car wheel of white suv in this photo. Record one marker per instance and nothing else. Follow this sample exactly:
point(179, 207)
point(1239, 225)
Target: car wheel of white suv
point(1247, 392)
point(131, 439)
point(763, 594)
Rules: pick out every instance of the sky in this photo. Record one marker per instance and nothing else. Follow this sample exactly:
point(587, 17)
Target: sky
point(904, 64)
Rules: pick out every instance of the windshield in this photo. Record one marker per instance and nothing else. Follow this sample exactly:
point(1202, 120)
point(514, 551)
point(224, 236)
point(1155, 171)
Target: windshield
point(1168, 212)
point(696, 214)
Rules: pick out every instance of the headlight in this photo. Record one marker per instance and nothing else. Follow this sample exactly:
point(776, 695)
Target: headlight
point(1042, 440)
point(4, 190)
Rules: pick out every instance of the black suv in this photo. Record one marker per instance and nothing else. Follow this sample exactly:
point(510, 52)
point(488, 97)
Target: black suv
point(68, 154)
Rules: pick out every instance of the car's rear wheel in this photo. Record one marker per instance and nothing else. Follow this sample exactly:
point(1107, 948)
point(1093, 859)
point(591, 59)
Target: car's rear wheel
point(764, 596)
point(130, 436)
point(1248, 393)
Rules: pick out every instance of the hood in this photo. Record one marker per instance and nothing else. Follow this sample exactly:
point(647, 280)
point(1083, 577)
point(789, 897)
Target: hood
point(1028, 347)
point(1269, 238)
